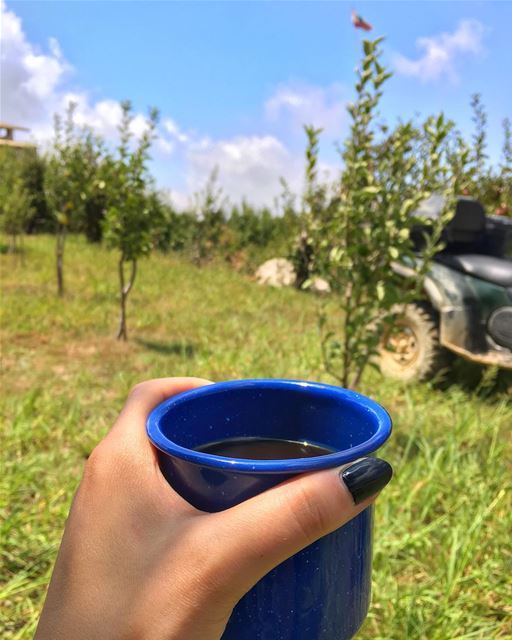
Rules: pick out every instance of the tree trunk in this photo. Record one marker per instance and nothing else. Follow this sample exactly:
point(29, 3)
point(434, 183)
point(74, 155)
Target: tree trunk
point(359, 374)
point(21, 242)
point(124, 290)
point(61, 239)
point(347, 321)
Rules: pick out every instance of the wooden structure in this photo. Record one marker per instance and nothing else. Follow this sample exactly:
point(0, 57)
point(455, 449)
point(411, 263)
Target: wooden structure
point(7, 136)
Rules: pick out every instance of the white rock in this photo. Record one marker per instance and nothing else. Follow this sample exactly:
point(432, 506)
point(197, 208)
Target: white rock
point(319, 285)
point(277, 272)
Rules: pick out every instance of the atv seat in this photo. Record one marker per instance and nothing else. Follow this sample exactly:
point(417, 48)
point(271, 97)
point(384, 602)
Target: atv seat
point(488, 268)
point(468, 223)
point(463, 233)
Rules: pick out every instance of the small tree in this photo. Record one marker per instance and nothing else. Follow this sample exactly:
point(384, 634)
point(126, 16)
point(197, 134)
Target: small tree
point(507, 144)
point(496, 191)
point(505, 207)
point(480, 135)
point(313, 215)
point(210, 219)
point(462, 167)
point(467, 159)
point(29, 166)
point(177, 229)
point(129, 218)
point(93, 152)
point(385, 178)
point(16, 199)
point(66, 183)
point(15, 211)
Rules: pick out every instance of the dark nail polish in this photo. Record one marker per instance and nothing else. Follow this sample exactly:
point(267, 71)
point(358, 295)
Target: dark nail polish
point(366, 477)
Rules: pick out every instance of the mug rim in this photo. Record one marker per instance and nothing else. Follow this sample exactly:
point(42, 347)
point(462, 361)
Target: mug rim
point(294, 465)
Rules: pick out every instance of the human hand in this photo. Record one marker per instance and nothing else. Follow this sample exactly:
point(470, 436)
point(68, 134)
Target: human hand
point(138, 562)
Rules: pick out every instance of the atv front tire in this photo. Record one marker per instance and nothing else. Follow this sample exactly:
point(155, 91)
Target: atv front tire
point(410, 350)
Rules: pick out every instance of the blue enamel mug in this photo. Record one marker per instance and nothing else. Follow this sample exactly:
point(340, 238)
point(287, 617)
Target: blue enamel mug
point(322, 592)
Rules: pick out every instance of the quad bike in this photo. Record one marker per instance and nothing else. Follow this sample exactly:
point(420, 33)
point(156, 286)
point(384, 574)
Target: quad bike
point(466, 305)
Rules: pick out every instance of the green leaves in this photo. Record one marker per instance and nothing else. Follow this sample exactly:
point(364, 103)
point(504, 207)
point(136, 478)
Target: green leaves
point(16, 199)
point(130, 213)
point(371, 189)
point(313, 206)
point(62, 218)
point(368, 47)
point(209, 219)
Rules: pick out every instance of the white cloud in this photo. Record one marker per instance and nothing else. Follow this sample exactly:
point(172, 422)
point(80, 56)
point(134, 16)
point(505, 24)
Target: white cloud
point(298, 104)
point(103, 116)
point(249, 166)
point(30, 77)
point(33, 88)
point(165, 146)
point(139, 125)
point(36, 84)
point(175, 132)
point(441, 52)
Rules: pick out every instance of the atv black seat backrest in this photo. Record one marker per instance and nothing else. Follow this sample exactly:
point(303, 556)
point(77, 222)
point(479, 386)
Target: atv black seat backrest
point(464, 233)
point(468, 223)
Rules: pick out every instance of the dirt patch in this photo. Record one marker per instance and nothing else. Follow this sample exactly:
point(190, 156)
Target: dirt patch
point(33, 358)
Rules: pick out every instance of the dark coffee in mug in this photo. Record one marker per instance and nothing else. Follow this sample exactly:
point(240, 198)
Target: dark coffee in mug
point(264, 449)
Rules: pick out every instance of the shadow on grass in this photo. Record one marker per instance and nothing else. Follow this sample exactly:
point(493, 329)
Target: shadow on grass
point(183, 349)
point(6, 249)
point(476, 379)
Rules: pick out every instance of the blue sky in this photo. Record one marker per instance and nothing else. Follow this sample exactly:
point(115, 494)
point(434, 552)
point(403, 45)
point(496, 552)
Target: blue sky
point(234, 81)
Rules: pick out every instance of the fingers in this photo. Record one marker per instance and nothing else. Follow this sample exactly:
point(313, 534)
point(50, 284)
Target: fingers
point(146, 396)
point(266, 530)
point(126, 451)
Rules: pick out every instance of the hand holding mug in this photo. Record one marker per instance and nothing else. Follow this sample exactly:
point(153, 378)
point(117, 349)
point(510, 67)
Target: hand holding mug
point(139, 562)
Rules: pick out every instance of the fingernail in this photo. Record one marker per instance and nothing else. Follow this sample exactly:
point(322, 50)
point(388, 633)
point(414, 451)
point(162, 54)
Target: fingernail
point(366, 477)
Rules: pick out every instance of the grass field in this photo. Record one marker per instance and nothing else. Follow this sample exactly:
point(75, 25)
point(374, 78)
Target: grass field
point(443, 544)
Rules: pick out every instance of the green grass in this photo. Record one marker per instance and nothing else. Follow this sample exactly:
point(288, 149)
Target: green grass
point(443, 553)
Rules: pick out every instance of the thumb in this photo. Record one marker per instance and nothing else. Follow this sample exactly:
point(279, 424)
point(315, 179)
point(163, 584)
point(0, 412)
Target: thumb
point(265, 530)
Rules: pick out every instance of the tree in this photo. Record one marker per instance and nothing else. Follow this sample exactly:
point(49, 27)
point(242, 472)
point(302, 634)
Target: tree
point(16, 203)
point(497, 187)
point(468, 158)
point(130, 216)
point(93, 152)
point(314, 209)
point(506, 171)
point(210, 219)
point(480, 135)
point(492, 186)
point(33, 166)
point(177, 229)
point(15, 209)
point(386, 176)
point(67, 181)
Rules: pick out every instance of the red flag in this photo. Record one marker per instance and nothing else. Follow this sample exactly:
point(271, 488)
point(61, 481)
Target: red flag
point(359, 23)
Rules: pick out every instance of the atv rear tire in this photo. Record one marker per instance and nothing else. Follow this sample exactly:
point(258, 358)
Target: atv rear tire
point(411, 350)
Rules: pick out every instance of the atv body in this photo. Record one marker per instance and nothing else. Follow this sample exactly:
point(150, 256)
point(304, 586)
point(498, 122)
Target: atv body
point(466, 308)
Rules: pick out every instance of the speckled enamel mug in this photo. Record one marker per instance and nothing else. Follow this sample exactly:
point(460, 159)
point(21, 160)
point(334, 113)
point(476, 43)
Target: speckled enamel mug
point(323, 592)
